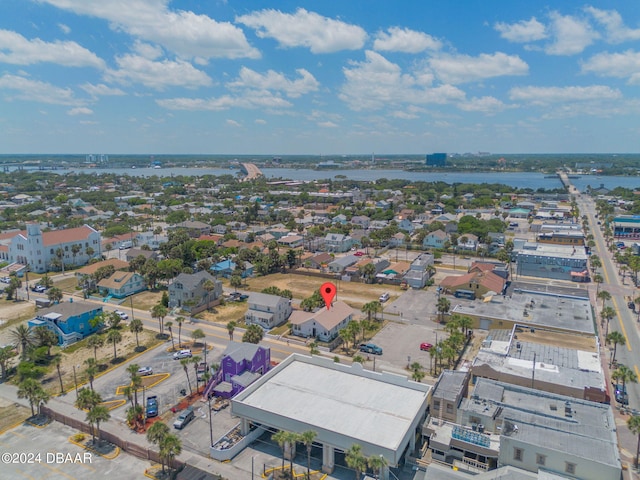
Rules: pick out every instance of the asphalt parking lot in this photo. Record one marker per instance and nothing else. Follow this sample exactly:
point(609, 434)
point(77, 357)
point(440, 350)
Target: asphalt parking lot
point(401, 344)
point(31, 452)
point(196, 435)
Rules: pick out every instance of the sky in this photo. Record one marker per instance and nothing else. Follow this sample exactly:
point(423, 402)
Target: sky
point(319, 77)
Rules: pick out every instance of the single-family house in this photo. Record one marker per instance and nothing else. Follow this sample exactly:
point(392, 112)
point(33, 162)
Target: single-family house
point(420, 270)
point(397, 240)
point(122, 284)
point(340, 264)
point(435, 239)
point(266, 310)
point(70, 321)
point(361, 221)
point(241, 365)
point(473, 285)
point(226, 268)
point(406, 225)
point(337, 242)
point(324, 324)
point(195, 292)
point(319, 260)
point(194, 228)
point(467, 242)
point(291, 241)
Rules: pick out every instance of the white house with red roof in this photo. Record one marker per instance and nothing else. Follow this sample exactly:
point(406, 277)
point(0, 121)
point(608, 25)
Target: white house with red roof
point(38, 250)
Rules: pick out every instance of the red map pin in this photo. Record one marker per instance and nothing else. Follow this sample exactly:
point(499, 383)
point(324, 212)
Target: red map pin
point(328, 291)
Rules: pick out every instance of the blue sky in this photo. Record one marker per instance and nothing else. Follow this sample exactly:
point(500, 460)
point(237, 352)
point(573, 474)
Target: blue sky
point(319, 77)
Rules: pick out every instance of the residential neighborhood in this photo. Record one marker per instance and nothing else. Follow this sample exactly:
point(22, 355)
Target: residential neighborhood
point(470, 341)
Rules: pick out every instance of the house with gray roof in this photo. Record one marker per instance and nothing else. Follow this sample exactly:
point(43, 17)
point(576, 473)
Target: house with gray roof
point(340, 264)
point(337, 242)
point(192, 292)
point(266, 310)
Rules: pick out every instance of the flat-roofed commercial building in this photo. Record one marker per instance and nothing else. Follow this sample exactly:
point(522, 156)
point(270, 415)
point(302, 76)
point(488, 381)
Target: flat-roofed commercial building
point(344, 404)
point(506, 425)
point(551, 261)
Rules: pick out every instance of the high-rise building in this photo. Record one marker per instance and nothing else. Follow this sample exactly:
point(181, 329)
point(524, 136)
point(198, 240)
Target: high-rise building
point(437, 159)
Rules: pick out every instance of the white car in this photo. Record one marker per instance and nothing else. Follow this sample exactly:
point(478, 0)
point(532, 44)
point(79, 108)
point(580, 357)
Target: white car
point(144, 371)
point(121, 314)
point(182, 354)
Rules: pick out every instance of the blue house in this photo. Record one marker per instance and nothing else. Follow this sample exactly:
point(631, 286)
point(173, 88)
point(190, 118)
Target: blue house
point(227, 267)
point(69, 321)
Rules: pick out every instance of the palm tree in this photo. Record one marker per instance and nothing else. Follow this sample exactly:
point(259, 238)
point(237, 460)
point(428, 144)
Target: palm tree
point(443, 307)
point(157, 432)
point(60, 255)
point(87, 399)
point(169, 324)
point(604, 296)
point(170, 446)
point(292, 438)
point(91, 370)
point(57, 361)
point(54, 294)
point(231, 326)
point(377, 463)
point(616, 338)
point(634, 426)
point(196, 360)
point(135, 415)
point(607, 314)
point(136, 380)
point(45, 338)
point(313, 348)
point(371, 309)
point(281, 438)
point(464, 322)
point(417, 372)
point(159, 311)
point(185, 365)
point(136, 327)
point(114, 337)
point(30, 389)
point(95, 341)
point(306, 438)
point(23, 336)
point(625, 374)
point(355, 459)
point(97, 414)
point(180, 321)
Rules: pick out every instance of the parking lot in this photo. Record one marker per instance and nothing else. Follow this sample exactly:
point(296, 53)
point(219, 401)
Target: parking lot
point(31, 452)
point(196, 435)
point(415, 306)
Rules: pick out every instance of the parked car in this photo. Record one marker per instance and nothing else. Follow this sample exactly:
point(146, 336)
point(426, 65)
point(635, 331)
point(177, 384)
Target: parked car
point(425, 346)
point(152, 406)
point(184, 418)
point(370, 348)
point(182, 354)
point(200, 371)
point(384, 297)
point(39, 288)
point(121, 314)
point(144, 371)
point(5, 280)
point(359, 254)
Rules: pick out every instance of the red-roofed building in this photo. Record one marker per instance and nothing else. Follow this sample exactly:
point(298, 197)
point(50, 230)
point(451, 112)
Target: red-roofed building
point(40, 250)
point(479, 283)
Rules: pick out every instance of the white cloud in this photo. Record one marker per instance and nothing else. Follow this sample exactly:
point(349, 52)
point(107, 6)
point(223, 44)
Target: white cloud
point(157, 75)
point(17, 50)
point(260, 121)
point(35, 91)
point(619, 65)
point(456, 69)
point(616, 30)
point(251, 100)
point(64, 28)
point(101, 90)
point(482, 104)
point(327, 124)
point(558, 95)
point(571, 35)
point(405, 40)
point(521, 32)
point(305, 29)
point(276, 81)
point(187, 34)
point(377, 82)
point(233, 123)
point(80, 111)
point(403, 115)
